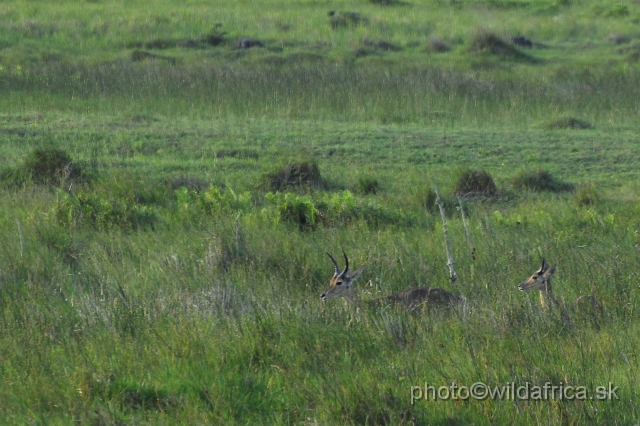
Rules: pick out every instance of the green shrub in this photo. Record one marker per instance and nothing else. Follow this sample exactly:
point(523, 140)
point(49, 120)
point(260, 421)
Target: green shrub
point(297, 209)
point(342, 208)
point(213, 201)
point(475, 182)
point(540, 180)
point(102, 213)
point(333, 209)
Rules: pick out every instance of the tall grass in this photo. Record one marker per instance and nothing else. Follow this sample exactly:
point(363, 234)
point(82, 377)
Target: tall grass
point(431, 95)
point(153, 325)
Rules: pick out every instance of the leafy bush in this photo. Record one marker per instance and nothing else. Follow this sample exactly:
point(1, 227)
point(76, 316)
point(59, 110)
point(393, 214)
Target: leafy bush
point(540, 180)
point(296, 209)
point(101, 212)
point(331, 210)
point(342, 208)
point(213, 201)
point(475, 182)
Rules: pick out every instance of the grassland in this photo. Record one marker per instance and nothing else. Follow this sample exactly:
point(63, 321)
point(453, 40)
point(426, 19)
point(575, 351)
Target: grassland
point(156, 267)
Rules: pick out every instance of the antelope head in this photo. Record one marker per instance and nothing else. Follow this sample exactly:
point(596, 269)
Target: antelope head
point(540, 280)
point(341, 284)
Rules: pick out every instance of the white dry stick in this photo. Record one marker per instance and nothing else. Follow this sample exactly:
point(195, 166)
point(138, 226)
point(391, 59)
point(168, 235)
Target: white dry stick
point(452, 273)
point(21, 238)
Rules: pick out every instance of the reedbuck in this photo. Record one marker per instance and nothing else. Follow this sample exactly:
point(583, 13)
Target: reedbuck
point(341, 285)
point(541, 280)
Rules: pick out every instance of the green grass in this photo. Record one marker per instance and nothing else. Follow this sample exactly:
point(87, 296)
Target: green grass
point(165, 218)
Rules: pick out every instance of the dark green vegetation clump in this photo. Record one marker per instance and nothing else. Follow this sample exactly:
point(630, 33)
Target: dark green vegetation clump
point(49, 165)
point(333, 210)
point(438, 45)
point(45, 166)
point(339, 20)
point(294, 174)
point(245, 153)
point(490, 43)
point(475, 182)
point(367, 185)
point(141, 55)
point(215, 37)
point(540, 180)
point(568, 123)
point(380, 44)
point(426, 197)
point(101, 212)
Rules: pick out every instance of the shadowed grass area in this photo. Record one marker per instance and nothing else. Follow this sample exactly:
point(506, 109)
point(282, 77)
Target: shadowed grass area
point(540, 180)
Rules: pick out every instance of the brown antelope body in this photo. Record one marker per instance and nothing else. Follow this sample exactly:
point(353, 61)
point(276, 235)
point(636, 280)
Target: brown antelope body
point(341, 285)
point(541, 280)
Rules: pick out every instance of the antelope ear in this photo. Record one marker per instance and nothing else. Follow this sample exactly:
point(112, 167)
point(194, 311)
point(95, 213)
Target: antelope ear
point(543, 267)
point(549, 272)
point(354, 276)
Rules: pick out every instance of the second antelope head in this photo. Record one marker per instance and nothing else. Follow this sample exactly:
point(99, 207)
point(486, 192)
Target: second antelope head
point(540, 280)
point(341, 284)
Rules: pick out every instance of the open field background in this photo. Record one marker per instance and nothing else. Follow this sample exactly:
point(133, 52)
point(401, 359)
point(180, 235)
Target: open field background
point(157, 267)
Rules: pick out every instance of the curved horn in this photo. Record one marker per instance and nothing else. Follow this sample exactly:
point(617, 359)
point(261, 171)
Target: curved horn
point(346, 262)
point(335, 264)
